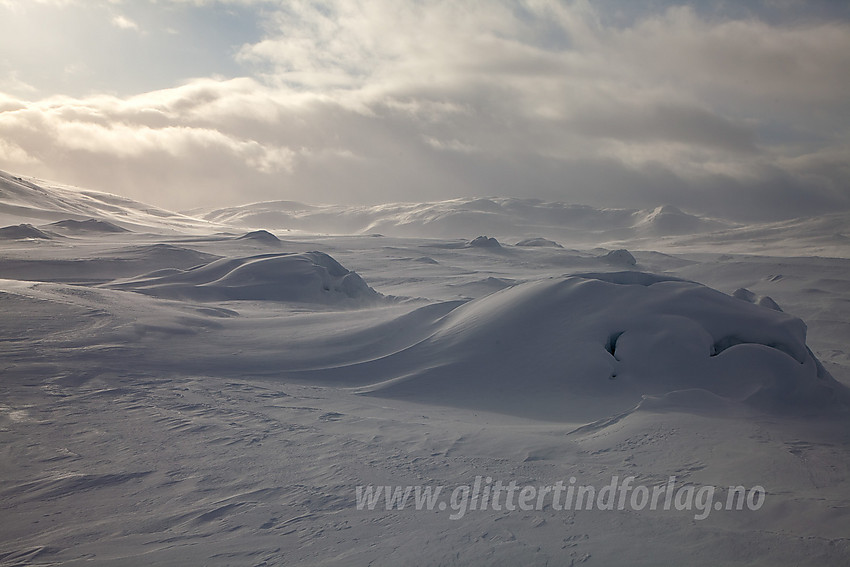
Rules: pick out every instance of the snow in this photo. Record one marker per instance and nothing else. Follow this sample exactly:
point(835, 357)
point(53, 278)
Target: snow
point(182, 391)
point(587, 346)
point(665, 228)
point(90, 225)
point(23, 231)
point(666, 220)
point(38, 201)
point(458, 217)
point(484, 242)
point(262, 237)
point(309, 277)
point(621, 256)
point(538, 242)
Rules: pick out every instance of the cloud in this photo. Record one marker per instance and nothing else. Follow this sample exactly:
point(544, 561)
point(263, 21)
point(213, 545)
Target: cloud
point(749, 60)
point(124, 23)
point(372, 101)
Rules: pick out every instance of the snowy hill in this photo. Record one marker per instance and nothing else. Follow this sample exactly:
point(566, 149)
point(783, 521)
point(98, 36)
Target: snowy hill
point(38, 202)
point(532, 220)
point(72, 211)
point(458, 218)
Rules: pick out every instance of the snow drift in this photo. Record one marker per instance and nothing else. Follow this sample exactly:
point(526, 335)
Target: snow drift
point(261, 237)
point(22, 232)
point(312, 277)
point(88, 226)
point(582, 347)
point(101, 266)
point(538, 242)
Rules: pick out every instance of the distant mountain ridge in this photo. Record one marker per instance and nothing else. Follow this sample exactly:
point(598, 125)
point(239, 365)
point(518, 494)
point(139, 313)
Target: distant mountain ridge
point(459, 218)
point(510, 220)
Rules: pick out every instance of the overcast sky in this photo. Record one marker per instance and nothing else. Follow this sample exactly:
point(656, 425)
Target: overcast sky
point(739, 108)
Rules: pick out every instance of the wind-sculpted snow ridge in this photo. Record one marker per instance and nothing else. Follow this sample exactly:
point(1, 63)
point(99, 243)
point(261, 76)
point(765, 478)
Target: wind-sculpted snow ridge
point(311, 277)
point(586, 346)
point(38, 201)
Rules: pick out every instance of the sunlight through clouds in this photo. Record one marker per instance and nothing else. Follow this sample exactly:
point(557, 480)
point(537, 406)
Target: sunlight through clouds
point(441, 99)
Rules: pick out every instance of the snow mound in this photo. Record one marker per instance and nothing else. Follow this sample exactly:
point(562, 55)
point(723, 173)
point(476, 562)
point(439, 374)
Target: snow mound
point(620, 257)
point(539, 242)
point(484, 242)
point(312, 277)
point(669, 220)
point(90, 225)
point(750, 297)
point(161, 255)
point(587, 346)
point(261, 236)
point(23, 231)
point(482, 287)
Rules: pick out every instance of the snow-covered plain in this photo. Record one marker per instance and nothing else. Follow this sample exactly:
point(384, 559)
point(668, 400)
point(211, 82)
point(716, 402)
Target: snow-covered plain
point(211, 388)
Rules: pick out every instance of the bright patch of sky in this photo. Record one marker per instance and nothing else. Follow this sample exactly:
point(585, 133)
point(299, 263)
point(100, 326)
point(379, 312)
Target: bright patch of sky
point(123, 48)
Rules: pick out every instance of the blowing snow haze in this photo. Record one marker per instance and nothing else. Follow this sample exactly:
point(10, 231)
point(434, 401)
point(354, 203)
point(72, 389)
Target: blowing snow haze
point(740, 110)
